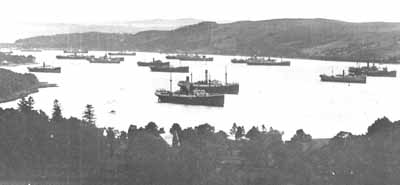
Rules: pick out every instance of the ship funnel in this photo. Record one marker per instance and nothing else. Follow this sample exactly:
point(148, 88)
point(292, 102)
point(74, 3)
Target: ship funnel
point(206, 73)
point(187, 78)
point(191, 77)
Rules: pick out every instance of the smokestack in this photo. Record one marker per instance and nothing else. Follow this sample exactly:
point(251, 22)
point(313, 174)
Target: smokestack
point(191, 77)
point(206, 76)
point(187, 78)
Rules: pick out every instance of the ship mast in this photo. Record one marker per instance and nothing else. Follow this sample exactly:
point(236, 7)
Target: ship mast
point(226, 76)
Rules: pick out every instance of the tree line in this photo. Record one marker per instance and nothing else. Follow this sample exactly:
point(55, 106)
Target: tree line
point(42, 149)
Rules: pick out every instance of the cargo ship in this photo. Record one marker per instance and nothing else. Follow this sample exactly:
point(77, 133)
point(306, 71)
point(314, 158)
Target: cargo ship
point(350, 78)
point(187, 57)
point(266, 62)
point(170, 69)
point(153, 63)
point(105, 60)
point(213, 86)
point(76, 51)
point(189, 96)
point(122, 53)
point(74, 57)
point(45, 69)
point(372, 71)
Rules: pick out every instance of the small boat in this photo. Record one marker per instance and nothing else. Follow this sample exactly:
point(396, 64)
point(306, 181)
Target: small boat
point(122, 53)
point(104, 60)
point(180, 69)
point(350, 78)
point(45, 69)
point(153, 63)
point(266, 62)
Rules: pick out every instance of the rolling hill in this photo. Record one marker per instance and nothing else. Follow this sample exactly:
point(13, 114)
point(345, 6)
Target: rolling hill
point(301, 38)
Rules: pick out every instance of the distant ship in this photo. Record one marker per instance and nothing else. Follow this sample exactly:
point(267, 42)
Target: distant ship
point(73, 57)
point(76, 51)
point(187, 57)
point(239, 61)
point(45, 69)
point(266, 62)
point(122, 53)
point(105, 60)
point(213, 86)
point(153, 63)
point(372, 71)
point(31, 50)
point(189, 96)
point(181, 69)
point(344, 78)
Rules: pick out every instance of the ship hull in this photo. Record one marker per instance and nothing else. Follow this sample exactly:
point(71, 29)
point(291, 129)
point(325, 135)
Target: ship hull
point(170, 69)
point(238, 61)
point(214, 100)
point(45, 70)
point(122, 54)
point(105, 61)
point(72, 57)
point(382, 73)
point(357, 79)
point(76, 51)
point(269, 63)
point(151, 64)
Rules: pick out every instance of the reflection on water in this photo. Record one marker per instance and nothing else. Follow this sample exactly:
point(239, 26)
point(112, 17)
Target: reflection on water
point(286, 98)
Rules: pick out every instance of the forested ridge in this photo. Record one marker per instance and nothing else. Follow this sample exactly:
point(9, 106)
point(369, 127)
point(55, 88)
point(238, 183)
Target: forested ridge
point(50, 149)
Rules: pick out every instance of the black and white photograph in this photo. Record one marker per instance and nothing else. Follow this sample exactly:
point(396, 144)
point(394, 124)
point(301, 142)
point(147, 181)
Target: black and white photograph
point(210, 92)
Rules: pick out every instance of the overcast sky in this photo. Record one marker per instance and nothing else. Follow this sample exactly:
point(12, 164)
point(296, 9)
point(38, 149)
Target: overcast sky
point(72, 11)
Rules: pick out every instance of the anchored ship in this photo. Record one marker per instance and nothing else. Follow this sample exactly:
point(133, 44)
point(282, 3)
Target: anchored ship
point(45, 69)
point(105, 60)
point(189, 96)
point(122, 53)
point(372, 71)
point(180, 69)
point(187, 57)
point(239, 61)
point(74, 57)
point(213, 86)
point(350, 78)
point(266, 62)
point(153, 63)
point(76, 51)
point(31, 50)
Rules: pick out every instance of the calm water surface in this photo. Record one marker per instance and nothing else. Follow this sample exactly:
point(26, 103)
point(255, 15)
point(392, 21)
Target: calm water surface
point(285, 98)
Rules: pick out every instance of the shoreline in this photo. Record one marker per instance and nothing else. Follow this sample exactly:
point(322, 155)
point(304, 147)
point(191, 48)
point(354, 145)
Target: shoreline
point(24, 93)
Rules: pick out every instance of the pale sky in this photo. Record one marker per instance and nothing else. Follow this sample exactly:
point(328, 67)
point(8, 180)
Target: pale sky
point(73, 11)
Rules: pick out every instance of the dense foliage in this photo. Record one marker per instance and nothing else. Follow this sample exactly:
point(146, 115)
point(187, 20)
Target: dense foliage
point(12, 84)
point(38, 148)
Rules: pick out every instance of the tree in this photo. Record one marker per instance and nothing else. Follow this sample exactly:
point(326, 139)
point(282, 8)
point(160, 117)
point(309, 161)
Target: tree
point(239, 132)
point(88, 114)
point(110, 140)
point(233, 130)
point(152, 128)
point(26, 105)
point(301, 137)
point(57, 115)
point(176, 132)
point(253, 133)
